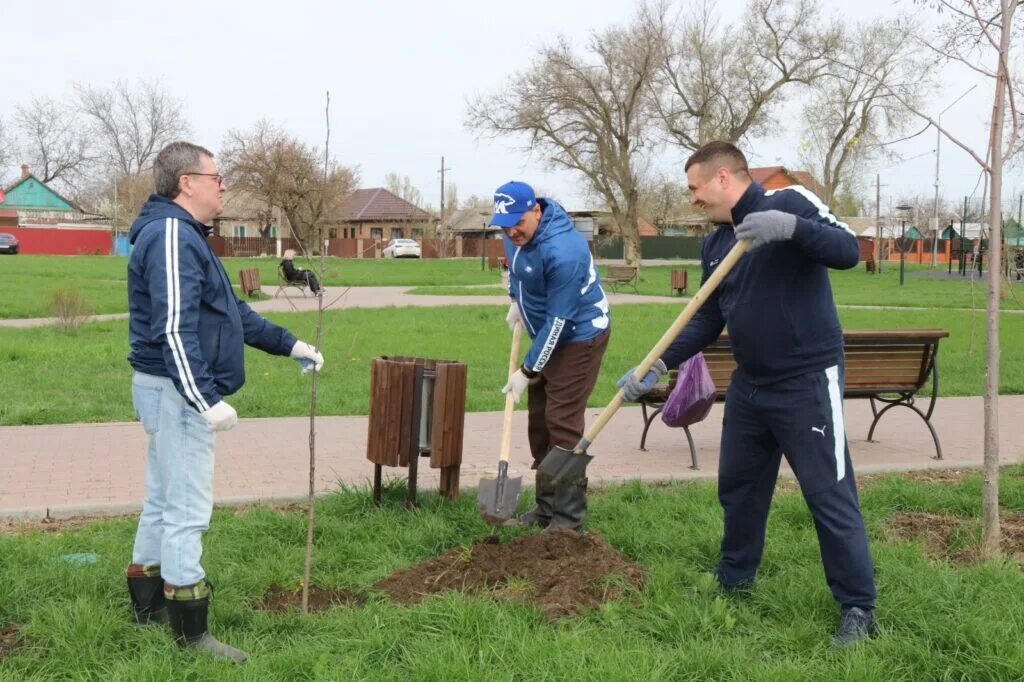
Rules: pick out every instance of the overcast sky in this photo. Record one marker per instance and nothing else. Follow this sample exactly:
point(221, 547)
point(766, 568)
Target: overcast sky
point(399, 74)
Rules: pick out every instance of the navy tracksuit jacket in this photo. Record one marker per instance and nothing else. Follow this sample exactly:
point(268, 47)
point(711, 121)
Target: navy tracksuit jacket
point(785, 397)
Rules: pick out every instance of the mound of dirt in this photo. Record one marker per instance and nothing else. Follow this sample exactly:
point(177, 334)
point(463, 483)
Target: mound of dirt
point(10, 640)
point(278, 598)
point(562, 572)
point(937, 531)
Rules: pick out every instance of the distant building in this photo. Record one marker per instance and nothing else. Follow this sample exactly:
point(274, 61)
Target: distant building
point(777, 177)
point(378, 214)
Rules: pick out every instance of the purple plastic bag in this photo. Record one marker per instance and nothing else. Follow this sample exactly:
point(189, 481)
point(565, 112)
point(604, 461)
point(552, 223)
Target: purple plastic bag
point(693, 395)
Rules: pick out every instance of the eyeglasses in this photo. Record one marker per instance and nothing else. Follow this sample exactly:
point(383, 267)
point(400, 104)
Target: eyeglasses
point(216, 176)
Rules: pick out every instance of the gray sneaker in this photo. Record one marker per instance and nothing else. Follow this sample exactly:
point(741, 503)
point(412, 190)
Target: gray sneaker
point(857, 624)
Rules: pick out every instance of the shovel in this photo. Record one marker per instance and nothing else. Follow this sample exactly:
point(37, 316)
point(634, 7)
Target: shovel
point(498, 498)
point(559, 464)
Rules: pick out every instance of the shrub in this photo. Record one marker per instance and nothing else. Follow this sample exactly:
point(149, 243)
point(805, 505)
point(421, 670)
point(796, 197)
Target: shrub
point(70, 308)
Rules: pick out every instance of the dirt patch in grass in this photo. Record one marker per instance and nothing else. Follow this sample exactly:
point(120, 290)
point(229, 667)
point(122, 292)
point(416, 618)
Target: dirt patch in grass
point(953, 476)
point(278, 598)
point(562, 572)
point(958, 539)
point(10, 640)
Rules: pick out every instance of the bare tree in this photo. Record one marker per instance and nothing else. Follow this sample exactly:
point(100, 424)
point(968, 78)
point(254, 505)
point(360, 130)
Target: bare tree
point(53, 141)
point(6, 153)
point(287, 173)
point(402, 186)
point(662, 200)
point(587, 112)
point(132, 124)
point(977, 34)
point(852, 110)
point(720, 82)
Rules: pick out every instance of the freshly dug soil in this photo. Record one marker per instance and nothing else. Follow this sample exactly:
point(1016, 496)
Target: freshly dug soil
point(562, 572)
point(278, 598)
point(10, 640)
point(938, 530)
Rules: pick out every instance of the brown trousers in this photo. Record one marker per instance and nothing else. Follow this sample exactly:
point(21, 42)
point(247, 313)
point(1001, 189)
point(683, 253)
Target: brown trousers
point(558, 396)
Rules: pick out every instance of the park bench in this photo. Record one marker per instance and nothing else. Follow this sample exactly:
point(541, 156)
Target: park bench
point(249, 281)
point(677, 283)
point(283, 282)
point(621, 275)
point(889, 367)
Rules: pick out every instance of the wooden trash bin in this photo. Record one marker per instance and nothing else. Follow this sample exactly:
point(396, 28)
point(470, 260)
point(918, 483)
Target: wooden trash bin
point(678, 285)
point(249, 281)
point(417, 409)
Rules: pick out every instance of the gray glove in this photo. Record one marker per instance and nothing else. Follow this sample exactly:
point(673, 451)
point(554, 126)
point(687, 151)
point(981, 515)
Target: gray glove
point(766, 226)
point(634, 388)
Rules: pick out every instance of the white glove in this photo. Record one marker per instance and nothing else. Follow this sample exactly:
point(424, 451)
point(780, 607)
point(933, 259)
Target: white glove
point(517, 384)
point(221, 417)
point(513, 316)
point(307, 356)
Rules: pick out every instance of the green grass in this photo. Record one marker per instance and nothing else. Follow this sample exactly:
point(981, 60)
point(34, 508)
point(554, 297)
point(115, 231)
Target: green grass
point(857, 287)
point(53, 377)
point(101, 279)
point(936, 620)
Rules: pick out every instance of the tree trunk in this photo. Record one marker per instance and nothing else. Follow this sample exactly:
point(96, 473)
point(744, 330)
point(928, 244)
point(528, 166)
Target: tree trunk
point(990, 493)
point(630, 232)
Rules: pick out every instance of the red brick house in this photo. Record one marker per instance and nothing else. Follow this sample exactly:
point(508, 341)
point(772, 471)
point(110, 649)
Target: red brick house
point(777, 177)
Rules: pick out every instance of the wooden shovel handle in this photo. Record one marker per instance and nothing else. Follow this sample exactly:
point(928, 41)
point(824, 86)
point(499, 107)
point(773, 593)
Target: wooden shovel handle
point(510, 403)
point(666, 340)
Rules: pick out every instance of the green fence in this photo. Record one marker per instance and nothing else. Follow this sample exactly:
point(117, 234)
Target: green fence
point(652, 247)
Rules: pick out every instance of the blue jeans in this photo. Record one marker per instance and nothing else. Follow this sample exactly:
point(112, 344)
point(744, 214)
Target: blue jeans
point(179, 481)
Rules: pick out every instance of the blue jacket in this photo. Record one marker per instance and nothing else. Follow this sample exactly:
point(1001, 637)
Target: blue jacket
point(777, 301)
point(185, 322)
point(555, 282)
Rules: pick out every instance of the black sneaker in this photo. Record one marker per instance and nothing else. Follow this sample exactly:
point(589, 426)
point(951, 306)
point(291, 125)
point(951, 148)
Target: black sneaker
point(740, 590)
point(856, 624)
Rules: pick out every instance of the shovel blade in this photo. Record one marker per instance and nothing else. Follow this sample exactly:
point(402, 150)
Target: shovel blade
point(497, 498)
point(562, 465)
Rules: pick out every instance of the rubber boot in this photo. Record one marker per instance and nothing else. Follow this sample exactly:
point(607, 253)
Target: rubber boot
point(540, 514)
point(189, 625)
point(569, 508)
point(146, 588)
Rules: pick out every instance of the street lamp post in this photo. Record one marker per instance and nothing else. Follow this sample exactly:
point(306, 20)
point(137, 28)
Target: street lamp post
point(938, 140)
point(903, 238)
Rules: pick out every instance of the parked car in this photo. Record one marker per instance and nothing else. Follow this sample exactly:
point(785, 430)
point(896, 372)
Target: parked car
point(8, 243)
point(402, 248)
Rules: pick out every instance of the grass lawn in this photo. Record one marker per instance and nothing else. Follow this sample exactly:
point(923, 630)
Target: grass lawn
point(102, 279)
point(857, 287)
point(937, 620)
point(83, 376)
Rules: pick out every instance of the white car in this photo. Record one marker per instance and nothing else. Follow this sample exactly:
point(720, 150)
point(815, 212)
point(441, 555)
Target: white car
point(402, 248)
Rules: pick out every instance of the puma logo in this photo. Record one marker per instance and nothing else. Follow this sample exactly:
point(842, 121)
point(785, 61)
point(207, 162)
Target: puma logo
point(821, 430)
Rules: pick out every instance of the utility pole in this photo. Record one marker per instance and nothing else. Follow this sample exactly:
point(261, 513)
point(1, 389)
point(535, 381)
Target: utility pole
point(444, 250)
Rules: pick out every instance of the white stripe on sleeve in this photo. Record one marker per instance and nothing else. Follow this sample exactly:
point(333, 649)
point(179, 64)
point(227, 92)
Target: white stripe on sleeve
point(174, 317)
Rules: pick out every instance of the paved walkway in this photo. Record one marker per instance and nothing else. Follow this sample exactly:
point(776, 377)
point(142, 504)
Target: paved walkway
point(92, 469)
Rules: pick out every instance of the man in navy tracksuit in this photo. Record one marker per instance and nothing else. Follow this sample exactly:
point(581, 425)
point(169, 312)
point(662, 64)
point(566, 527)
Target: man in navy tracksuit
point(785, 397)
point(187, 331)
point(557, 296)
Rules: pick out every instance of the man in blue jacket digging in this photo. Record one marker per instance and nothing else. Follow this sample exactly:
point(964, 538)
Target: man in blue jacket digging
point(786, 395)
point(187, 331)
point(556, 294)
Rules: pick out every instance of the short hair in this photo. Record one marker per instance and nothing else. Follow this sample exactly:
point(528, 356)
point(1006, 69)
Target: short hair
point(719, 153)
point(173, 161)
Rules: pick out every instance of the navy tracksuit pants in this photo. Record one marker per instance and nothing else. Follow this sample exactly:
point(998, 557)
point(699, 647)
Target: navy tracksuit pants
point(801, 417)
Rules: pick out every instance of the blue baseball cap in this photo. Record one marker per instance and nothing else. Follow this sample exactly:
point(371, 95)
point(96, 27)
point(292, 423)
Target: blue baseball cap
point(511, 201)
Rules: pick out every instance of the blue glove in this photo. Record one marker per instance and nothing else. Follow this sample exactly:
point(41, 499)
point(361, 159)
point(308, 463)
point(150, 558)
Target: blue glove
point(766, 226)
point(634, 388)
